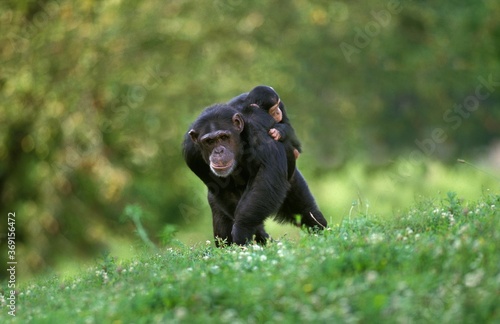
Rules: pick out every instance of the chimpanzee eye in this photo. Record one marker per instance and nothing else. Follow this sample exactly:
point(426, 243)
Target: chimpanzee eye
point(209, 141)
point(224, 137)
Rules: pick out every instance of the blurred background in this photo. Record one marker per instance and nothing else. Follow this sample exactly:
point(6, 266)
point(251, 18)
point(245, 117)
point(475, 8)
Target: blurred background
point(95, 97)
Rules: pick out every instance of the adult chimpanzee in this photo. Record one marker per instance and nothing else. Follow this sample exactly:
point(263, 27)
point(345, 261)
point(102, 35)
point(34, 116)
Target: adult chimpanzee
point(265, 97)
point(249, 176)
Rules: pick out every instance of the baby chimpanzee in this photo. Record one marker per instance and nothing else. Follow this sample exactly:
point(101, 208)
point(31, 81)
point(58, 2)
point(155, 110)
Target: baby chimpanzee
point(266, 98)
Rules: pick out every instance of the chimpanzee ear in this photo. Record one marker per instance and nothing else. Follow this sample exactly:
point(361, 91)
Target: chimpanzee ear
point(238, 122)
point(194, 135)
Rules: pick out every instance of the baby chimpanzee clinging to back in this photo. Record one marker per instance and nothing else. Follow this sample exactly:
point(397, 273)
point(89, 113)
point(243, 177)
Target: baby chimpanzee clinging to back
point(266, 98)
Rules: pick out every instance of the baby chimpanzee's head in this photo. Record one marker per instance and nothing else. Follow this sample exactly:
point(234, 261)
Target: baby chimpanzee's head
point(266, 98)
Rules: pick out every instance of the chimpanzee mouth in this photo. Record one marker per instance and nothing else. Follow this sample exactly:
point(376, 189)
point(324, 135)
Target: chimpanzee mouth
point(222, 170)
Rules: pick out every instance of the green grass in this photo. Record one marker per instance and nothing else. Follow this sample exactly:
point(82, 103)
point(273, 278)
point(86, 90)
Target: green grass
point(438, 262)
point(358, 189)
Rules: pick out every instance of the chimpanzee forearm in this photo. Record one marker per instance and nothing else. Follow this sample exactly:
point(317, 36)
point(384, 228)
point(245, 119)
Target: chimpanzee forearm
point(263, 197)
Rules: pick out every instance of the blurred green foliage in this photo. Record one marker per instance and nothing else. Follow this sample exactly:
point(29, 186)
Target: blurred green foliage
point(95, 97)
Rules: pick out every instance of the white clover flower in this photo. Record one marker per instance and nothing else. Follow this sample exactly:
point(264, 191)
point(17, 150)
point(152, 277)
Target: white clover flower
point(256, 247)
point(473, 279)
point(371, 276)
point(376, 237)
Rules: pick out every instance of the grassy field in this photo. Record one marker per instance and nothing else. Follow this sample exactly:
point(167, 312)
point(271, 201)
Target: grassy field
point(437, 262)
point(358, 190)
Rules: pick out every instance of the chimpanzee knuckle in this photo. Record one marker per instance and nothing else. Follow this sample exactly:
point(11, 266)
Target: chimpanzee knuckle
point(241, 235)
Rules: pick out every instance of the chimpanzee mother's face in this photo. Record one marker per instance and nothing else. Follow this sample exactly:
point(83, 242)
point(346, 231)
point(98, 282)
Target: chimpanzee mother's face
point(219, 143)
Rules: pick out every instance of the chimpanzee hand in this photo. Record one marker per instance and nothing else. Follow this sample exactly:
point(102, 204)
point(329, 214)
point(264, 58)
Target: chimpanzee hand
point(275, 134)
point(242, 235)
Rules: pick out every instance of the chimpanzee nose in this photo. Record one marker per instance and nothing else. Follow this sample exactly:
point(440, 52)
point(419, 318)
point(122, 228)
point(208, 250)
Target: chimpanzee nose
point(219, 150)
